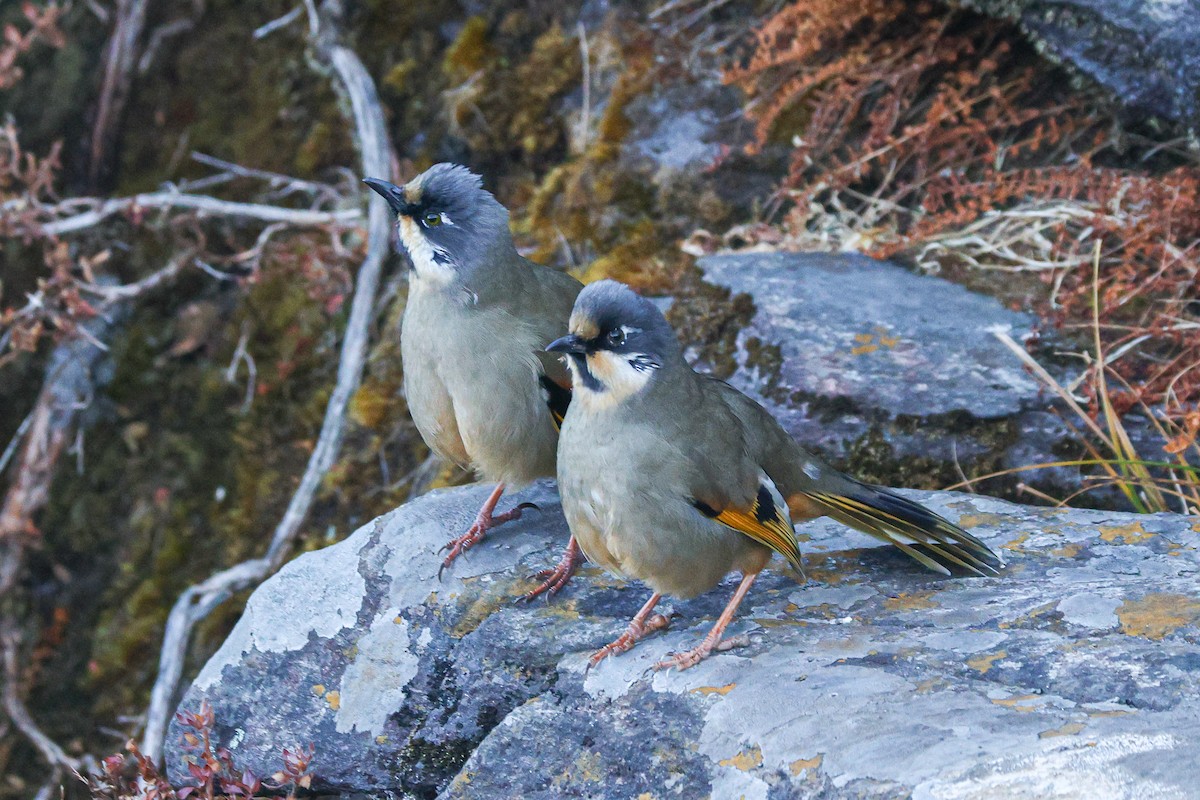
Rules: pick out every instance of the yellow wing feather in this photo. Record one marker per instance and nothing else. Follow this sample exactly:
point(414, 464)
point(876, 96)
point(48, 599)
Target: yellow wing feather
point(775, 531)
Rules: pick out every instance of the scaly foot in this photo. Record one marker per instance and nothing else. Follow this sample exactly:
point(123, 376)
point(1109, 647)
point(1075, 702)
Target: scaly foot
point(632, 635)
point(554, 579)
point(691, 658)
point(641, 625)
point(484, 522)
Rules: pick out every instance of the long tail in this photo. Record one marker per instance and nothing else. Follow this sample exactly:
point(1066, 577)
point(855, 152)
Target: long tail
point(930, 539)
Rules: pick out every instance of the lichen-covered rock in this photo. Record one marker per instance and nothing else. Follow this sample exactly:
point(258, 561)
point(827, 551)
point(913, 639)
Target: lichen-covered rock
point(1143, 51)
point(874, 333)
point(1075, 673)
point(894, 375)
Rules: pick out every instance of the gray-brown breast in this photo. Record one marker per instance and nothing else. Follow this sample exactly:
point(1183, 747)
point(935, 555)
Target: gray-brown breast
point(476, 357)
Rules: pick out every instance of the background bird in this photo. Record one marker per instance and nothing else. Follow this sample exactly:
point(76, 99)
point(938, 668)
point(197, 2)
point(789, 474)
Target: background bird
point(481, 389)
point(677, 479)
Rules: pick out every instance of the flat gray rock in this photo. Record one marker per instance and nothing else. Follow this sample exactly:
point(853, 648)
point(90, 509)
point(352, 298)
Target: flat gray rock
point(853, 327)
point(884, 370)
point(1074, 674)
point(1143, 51)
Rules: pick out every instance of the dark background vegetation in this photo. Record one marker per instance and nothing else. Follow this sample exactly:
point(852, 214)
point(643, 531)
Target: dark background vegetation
point(878, 125)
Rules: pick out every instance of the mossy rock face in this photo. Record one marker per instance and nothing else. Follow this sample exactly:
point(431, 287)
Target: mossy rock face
point(218, 91)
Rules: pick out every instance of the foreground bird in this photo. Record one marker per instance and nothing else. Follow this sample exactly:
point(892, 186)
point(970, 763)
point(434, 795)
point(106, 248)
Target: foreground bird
point(677, 479)
point(481, 389)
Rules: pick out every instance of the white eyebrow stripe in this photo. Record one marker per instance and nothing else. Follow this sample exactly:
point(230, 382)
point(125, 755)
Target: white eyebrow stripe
point(445, 218)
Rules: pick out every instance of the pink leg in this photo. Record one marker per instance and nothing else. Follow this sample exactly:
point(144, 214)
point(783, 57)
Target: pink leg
point(640, 626)
point(554, 579)
point(485, 520)
point(713, 640)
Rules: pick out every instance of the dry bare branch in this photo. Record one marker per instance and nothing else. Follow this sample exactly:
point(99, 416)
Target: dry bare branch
point(15, 708)
point(119, 60)
point(129, 291)
point(100, 210)
point(286, 183)
point(198, 601)
point(66, 391)
point(68, 384)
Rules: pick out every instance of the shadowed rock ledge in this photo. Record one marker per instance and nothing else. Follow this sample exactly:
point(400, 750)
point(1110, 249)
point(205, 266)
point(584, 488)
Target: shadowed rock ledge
point(1075, 673)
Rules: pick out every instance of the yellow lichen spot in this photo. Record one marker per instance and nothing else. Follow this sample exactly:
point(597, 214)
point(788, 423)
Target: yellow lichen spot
point(462, 779)
point(910, 601)
point(801, 764)
point(748, 759)
point(586, 768)
point(863, 349)
point(1033, 616)
point(1106, 712)
point(479, 610)
point(1070, 729)
point(1156, 615)
point(721, 690)
point(1020, 702)
point(1126, 534)
point(929, 684)
point(1067, 550)
point(863, 338)
point(1015, 544)
point(381, 739)
point(334, 699)
point(982, 664)
point(398, 620)
point(969, 521)
point(318, 689)
point(563, 609)
point(645, 796)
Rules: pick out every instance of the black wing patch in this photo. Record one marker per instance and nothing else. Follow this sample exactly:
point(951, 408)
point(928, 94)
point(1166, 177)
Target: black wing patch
point(763, 522)
point(557, 399)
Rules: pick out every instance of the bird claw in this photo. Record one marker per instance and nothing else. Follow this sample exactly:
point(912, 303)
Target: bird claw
point(476, 533)
point(552, 580)
point(691, 658)
point(632, 635)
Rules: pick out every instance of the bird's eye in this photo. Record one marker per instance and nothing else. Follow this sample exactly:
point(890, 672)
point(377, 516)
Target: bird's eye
point(616, 337)
point(432, 219)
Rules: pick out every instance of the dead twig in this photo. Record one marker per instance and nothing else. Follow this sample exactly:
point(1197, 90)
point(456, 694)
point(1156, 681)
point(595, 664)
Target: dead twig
point(130, 290)
point(119, 60)
point(198, 601)
point(101, 210)
point(275, 24)
point(286, 184)
point(159, 36)
point(242, 355)
point(15, 442)
point(68, 383)
point(65, 392)
point(15, 708)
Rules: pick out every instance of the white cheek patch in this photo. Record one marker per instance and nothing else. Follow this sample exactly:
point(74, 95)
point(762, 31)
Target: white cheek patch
point(621, 374)
point(422, 254)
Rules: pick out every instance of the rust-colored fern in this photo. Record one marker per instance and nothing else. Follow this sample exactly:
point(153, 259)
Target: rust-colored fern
point(939, 137)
